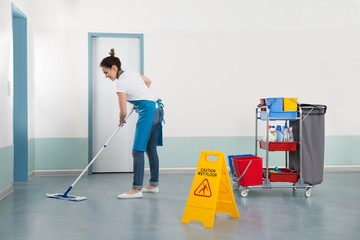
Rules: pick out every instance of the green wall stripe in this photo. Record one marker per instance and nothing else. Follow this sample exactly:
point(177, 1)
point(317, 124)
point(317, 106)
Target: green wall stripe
point(61, 153)
point(72, 153)
point(343, 150)
point(6, 167)
point(185, 151)
point(31, 155)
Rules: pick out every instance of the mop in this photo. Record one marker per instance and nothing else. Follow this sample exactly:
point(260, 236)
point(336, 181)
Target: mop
point(65, 196)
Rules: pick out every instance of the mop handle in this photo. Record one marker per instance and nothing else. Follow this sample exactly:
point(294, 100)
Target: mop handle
point(87, 167)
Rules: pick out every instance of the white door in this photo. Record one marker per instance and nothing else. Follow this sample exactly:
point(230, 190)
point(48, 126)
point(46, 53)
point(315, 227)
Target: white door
point(117, 156)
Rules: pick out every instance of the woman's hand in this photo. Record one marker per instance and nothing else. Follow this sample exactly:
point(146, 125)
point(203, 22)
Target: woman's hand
point(121, 123)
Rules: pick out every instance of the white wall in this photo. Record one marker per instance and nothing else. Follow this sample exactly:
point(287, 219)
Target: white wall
point(6, 75)
point(210, 60)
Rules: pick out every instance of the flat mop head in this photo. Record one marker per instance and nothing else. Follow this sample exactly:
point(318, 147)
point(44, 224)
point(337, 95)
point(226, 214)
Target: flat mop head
point(65, 197)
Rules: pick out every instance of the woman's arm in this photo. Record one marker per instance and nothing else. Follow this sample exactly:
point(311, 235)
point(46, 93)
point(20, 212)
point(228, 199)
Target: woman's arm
point(122, 106)
point(146, 80)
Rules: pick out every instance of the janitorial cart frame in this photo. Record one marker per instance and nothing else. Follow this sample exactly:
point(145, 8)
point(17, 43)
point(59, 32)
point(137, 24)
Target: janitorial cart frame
point(293, 152)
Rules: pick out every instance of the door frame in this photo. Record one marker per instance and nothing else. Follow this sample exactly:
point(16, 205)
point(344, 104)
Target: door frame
point(92, 35)
point(20, 101)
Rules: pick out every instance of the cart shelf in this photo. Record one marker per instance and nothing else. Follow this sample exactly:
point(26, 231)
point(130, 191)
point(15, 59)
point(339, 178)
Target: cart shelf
point(286, 175)
point(279, 146)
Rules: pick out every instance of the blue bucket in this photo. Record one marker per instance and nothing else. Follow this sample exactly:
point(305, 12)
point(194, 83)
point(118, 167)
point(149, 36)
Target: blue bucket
point(231, 163)
point(275, 104)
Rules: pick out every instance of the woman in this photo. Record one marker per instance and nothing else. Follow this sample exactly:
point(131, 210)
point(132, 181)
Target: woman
point(134, 88)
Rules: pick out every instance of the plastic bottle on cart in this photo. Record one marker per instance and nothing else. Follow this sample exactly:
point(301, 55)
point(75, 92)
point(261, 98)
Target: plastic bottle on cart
point(272, 137)
point(279, 134)
point(291, 135)
point(286, 133)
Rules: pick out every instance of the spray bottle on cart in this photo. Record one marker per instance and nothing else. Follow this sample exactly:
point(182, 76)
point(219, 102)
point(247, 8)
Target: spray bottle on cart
point(279, 134)
point(286, 133)
point(291, 135)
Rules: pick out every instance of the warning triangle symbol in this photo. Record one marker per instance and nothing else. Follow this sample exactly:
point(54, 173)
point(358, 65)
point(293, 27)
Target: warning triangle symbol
point(203, 190)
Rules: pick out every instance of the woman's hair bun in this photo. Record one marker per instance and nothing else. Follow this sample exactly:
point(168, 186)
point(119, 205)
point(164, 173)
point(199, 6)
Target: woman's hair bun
point(112, 52)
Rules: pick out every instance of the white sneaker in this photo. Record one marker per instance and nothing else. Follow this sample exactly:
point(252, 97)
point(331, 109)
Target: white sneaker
point(152, 190)
point(127, 196)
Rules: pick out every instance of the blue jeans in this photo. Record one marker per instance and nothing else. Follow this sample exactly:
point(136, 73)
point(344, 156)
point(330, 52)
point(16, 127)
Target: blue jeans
point(151, 152)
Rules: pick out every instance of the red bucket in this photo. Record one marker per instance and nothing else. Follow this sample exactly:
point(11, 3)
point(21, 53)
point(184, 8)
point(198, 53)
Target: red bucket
point(251, 172)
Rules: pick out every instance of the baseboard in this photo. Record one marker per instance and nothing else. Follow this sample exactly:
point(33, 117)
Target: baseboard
point(342, 168)
point(337, 168)
point(192, 170)
point(31, 175)
point(187, 170)
point(59, 172)
point(6, 192)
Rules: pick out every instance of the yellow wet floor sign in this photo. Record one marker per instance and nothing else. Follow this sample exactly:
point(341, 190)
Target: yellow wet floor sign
point(210, 192)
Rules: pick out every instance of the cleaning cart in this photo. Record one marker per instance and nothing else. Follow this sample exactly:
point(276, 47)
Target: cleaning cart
point(304, 157)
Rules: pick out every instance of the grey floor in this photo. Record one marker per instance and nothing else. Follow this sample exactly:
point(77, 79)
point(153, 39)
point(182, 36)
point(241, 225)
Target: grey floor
point(332, 211)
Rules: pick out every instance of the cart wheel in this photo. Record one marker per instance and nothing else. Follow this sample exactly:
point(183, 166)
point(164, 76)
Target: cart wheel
point(294, 188)
point(308, 192)
point(235, 186)
point(244, 192)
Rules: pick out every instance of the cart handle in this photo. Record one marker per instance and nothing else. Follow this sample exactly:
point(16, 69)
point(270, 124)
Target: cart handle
point(237, 179)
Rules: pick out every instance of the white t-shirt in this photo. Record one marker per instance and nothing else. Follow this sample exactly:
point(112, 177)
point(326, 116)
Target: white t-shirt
point(134, 86)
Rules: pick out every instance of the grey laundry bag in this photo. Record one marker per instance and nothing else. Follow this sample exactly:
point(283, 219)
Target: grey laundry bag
point(313, 143)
